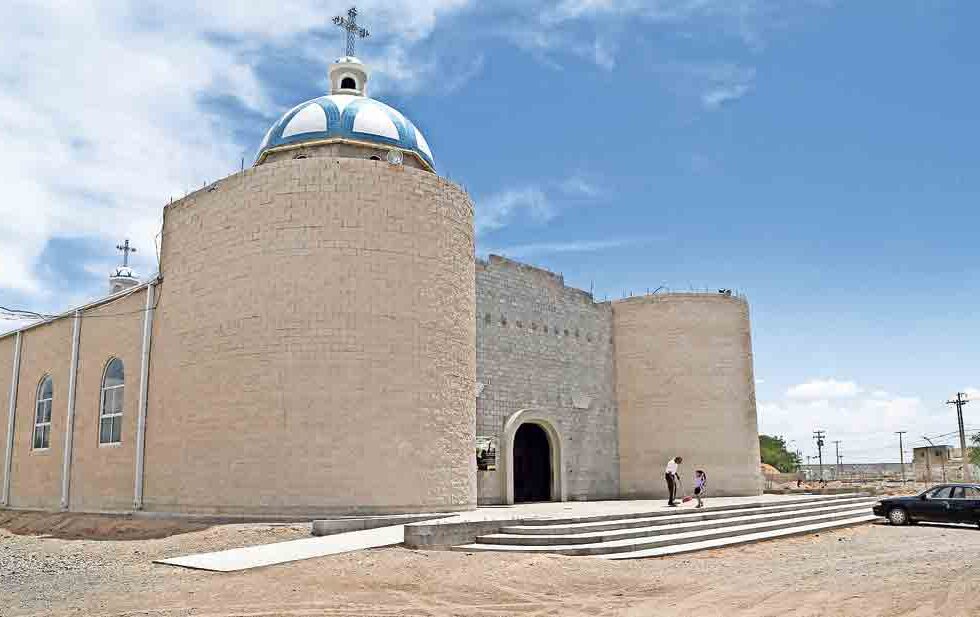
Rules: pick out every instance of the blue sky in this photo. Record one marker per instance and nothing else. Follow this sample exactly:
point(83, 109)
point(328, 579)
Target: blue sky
point(818, 156)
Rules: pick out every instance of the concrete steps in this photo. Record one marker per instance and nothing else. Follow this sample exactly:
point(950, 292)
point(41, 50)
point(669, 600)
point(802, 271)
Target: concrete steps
point(659, 533)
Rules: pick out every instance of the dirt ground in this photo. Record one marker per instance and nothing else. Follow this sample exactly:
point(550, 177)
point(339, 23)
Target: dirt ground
point(50, 564)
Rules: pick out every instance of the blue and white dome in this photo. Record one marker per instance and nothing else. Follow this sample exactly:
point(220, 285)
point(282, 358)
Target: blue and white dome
point(346, 117)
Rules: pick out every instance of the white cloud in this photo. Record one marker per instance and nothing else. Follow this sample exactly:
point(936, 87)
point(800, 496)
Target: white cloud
point(534, 203)
point(548, 248)
point(864, 420)
point(823, 389)
point(716, 97)
point(714, 84)
point(578, 185)
point(501, 209)
point(748, 20)
point(101, 112)
point(605, 54)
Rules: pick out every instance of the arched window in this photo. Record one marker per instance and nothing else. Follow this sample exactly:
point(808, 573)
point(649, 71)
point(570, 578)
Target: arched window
point(348, 83)
point(110, 414)
point(42, 414)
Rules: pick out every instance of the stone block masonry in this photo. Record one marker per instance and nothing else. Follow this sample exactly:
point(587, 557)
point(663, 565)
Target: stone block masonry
point(314, 344)
point(323, 342)
point(543, 345)
point(685, 387)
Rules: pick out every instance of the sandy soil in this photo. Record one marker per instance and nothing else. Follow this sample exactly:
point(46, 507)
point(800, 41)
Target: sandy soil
point(868, 571)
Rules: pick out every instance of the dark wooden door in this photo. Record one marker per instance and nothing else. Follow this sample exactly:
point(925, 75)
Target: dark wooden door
point(532, 464)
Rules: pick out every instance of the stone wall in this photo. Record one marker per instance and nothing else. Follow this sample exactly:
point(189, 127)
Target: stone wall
point(314, 344)
point(685, 387)
point(543, 345)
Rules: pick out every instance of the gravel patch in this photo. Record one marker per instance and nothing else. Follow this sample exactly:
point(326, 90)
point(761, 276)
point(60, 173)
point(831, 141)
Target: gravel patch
point(873, 570)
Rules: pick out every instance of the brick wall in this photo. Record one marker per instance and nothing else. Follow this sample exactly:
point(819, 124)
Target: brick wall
point(314, 344)
point(685, 387)
point(542, 344)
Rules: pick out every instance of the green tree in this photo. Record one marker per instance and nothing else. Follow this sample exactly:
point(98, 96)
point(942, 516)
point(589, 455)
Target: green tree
point(975, 450)
point(774, 453)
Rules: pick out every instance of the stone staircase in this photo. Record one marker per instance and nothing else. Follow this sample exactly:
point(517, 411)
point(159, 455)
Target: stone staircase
point(660, 533)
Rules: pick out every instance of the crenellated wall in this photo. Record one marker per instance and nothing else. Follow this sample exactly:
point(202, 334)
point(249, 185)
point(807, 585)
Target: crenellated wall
point(685, 387)
point(543, 345)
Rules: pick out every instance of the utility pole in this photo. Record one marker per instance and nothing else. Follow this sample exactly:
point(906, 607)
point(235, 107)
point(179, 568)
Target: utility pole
point(837, 453)
point(929, 450)
point(901, 453)
point(819, 435)
point(964, 454)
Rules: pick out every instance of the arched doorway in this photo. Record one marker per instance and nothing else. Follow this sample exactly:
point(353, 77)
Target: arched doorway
point(536, 422)
point(532, 464)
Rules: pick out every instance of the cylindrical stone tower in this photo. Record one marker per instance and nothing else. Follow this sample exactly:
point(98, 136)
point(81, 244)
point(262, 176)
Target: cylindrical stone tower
point(685, 387)
point(314, 341)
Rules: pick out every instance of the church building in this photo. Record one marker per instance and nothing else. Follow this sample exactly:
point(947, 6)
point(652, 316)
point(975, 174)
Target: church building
point(321, 339)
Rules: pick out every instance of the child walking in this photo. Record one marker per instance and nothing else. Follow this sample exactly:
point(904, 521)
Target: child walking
point(700, 484)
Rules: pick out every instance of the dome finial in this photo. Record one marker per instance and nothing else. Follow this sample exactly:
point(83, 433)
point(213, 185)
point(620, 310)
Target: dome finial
point(126, 250)
point(348, 75)
point(354, 30)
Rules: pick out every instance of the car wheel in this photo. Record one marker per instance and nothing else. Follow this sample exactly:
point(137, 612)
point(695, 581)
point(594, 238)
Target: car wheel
point(898, 516)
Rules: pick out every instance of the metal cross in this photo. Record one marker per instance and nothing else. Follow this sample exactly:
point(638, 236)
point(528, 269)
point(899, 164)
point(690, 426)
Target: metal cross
point(352, 28)
point(126, 250)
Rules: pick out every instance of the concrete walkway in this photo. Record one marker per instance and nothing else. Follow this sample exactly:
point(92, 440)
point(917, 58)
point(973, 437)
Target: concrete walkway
point(295, 550)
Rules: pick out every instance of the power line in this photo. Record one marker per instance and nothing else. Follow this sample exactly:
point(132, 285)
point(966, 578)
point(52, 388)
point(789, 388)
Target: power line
point(81, 310)
point(959, 401)
point(24, 313)
point(901, 452)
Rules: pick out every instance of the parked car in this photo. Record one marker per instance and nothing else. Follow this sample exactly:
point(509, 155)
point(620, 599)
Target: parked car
point(949, 503)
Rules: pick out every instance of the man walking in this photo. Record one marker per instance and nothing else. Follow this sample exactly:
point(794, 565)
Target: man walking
point(672, 478)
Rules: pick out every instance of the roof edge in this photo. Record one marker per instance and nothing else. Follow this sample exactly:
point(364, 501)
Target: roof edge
point(95, 303)
point(340, 140)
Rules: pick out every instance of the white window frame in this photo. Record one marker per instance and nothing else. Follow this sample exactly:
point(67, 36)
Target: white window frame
point(118, 391)
point(38, 402)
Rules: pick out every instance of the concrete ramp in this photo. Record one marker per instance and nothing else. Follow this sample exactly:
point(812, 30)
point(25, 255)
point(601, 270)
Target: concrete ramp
point(294, 550)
